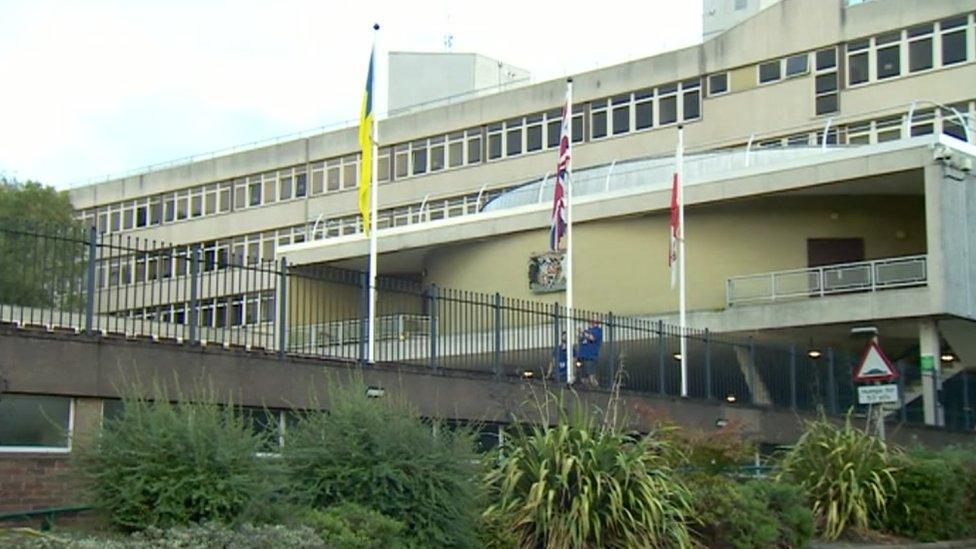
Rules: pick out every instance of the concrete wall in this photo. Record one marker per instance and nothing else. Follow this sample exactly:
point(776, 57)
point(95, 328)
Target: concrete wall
point(621, 264)
point(951, 208)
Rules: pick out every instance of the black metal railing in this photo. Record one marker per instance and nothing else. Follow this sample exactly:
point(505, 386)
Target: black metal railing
point(78, 280)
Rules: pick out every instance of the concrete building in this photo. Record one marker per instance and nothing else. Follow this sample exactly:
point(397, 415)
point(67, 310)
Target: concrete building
point(829, 186)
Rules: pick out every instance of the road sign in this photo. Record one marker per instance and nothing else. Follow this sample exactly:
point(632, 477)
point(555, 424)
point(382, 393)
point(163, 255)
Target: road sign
point(874, 365)
point(877, 394)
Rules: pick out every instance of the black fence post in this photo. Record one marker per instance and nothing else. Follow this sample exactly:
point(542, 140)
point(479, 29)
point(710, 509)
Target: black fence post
point(752, 370)
point(194, 294)
point(496, 361)
point(793, 377)
point(90, 298)
point(612, 365)
point(708, 365)
point(662, 389)
point(903, 411)
point(282, 307)
point(363, 316)
point(432, 325)
point(831, 382)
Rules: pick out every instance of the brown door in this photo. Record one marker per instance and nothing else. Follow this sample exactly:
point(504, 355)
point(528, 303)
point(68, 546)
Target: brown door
point(830, 251)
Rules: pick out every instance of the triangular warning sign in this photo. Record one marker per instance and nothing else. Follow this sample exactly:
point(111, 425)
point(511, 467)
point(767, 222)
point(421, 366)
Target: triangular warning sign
point(874, 365)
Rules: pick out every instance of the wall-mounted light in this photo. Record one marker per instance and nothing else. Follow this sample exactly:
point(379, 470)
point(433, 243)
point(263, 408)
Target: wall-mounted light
point(947, 357)
point(721, 422)
point(528, 374)
point(730, 398)
point(814, 354)
point(374, 392)
point(677, 356)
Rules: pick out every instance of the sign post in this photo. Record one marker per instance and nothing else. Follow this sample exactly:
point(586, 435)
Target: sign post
point(874, 371)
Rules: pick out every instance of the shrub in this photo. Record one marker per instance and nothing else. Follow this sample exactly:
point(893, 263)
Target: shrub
point(584, 484)
point(378, 453)
point(932, 502)
point(846, 473)
point(352, 526)
point(756, 514)
point(163, 464)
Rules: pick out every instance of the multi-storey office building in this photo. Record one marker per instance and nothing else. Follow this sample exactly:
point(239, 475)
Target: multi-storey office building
point(839, 78)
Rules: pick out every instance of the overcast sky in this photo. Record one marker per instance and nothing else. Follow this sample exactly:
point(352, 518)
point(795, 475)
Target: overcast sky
point(98, 87)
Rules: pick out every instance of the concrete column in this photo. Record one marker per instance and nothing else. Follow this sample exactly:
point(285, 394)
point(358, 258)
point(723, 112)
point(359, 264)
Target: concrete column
point(929, 352)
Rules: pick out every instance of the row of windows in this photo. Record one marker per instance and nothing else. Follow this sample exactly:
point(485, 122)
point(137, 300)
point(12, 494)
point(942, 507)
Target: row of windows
point(909, 51)
point(234, 310)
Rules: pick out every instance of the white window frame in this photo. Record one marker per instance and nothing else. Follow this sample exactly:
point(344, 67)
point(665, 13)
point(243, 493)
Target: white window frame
point(48, 449)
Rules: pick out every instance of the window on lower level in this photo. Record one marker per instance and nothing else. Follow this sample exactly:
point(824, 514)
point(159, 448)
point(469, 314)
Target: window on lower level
point(718, 83)
point(769, 72)
point(34, 422)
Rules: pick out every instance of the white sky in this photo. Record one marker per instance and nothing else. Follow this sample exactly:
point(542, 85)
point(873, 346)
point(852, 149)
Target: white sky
point(97, 87)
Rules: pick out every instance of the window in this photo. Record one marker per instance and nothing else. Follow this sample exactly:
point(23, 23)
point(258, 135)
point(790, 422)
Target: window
point(301, 188)
point(350, 171)
point(554, 123)
point(888, 54)
point(437, 153)
point(473, 137)
point(857, 62)
point(769, 72)
point(270, 182)
point(455, 150)
point(667, 104)
point(953, 40)
point(284, 187)
point(210, 200)
point(35, 423)
point(401, 162)
point(718, 83)
point(621, 114)
point(418, 157)
point(690, 99)
point(225, 196)
point(494, 141)
point(598, 119)
point(797, 65)
point(254, 191)
point(513, 137)
point(533, 133)
point(644, 109)
point(826, 82)
point(920, 48)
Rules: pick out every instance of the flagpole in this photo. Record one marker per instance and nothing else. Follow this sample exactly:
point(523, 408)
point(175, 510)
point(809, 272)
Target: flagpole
point(570, 361)
point(682, 313)
point(373, 193)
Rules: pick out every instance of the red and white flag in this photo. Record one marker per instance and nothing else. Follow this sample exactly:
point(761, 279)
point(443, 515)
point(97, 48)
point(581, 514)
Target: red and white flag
point(558, 227)
point(675, 229)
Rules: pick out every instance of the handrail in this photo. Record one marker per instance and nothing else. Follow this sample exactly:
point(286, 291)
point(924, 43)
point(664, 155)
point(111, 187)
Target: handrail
point(821, 284)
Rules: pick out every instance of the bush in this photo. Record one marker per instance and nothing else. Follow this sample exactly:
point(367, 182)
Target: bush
point(846, 473)
point(584, 484)
point(378, 453)
point(932, 502)
point(352, 526)
point(756, 514)
point(163, 464)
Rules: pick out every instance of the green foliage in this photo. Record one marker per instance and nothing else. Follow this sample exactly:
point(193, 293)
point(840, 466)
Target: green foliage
point(846, 473)
point(378, 453)
point(160, 464)
point(43, 249)
point(202, 536)
point(934, 500)
point(712, 452)
point(756, 514)
point(352, 526)
point(581, 483)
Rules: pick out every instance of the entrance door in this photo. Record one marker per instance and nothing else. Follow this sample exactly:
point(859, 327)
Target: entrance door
point(830, 251)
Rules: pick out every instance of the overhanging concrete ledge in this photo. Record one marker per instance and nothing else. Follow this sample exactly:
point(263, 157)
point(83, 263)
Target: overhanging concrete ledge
point(81, 366)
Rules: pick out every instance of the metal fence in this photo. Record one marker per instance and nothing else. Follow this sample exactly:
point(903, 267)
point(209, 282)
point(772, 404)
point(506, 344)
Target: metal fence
point(81, 281)
point(880, 274)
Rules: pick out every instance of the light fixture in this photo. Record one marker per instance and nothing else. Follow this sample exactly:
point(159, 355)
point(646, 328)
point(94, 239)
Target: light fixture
point(721, 422)
point(374, 392)
point(528, 374)
point(677, 356)
point(814, 353)
point(947, 357)
point(730, 398)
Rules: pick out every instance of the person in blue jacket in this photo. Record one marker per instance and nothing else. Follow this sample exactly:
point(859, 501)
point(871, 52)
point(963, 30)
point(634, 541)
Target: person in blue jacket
point(590, 340)
point(560, 360)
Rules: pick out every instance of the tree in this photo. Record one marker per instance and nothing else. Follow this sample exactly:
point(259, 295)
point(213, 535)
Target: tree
point(42, 247)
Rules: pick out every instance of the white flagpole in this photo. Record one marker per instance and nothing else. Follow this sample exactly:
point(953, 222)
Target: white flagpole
point(373, 192)
point(570, 335)
point(682, 318)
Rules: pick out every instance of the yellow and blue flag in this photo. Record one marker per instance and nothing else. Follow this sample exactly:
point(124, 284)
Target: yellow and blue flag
point(366, 145)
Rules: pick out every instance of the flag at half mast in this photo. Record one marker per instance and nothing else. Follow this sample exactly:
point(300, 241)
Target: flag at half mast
point(366, 146)
point(558, 229)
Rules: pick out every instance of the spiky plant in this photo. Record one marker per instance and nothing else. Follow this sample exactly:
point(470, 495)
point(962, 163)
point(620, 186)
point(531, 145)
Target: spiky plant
point(585, 483)
point(847, 474)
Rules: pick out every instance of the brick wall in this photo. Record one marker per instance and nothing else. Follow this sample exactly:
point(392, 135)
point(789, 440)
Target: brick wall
point(36, 481)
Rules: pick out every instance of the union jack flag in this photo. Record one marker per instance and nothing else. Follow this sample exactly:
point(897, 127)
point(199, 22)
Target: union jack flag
point(559, 197)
